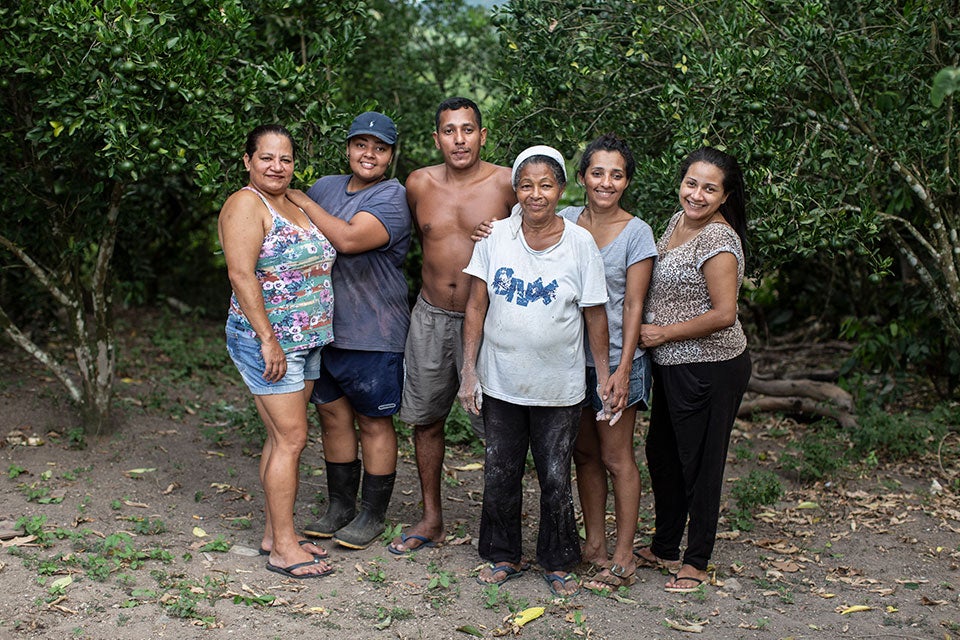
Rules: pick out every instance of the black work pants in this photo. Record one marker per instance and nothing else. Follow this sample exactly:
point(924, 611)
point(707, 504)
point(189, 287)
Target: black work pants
point(549, 432)
point(694, 408)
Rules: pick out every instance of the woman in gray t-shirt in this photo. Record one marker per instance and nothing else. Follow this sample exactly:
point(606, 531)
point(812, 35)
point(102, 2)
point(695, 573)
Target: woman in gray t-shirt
point(604, 444)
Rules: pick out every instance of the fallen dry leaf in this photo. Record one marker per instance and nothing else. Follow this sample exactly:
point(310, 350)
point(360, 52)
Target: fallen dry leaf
point(689, 627)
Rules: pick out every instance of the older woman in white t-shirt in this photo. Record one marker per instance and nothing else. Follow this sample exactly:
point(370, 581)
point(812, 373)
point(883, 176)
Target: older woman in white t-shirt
point(538, 279)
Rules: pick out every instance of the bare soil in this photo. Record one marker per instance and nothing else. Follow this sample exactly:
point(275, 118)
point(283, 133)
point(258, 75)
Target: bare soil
point(873, 553)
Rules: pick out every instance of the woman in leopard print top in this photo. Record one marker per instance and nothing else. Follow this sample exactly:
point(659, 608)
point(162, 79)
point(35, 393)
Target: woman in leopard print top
point(701, 365)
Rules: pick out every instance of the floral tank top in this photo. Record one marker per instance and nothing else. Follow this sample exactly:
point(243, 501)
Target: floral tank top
point(294, 273)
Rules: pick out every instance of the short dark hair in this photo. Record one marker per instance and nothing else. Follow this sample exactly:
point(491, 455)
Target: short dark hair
point(608, 142)
point(734, 208)
point(253, 138)
point(453, 104)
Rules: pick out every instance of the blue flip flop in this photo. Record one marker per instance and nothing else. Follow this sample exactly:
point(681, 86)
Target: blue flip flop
point(509, 573)
point(425, 543)
point(552, 579)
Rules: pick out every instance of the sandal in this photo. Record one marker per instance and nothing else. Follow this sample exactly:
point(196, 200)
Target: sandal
point(509, 573)
point(698, 585)
point(558, 583)
point(613, 578)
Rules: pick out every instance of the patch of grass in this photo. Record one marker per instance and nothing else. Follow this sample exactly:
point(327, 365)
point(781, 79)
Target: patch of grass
point(760, 487)
point(14, 470)
point(146, 526)
point(819, 453)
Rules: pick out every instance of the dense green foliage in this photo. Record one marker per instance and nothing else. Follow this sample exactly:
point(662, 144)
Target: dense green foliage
point(827, 105)
point(124, 122)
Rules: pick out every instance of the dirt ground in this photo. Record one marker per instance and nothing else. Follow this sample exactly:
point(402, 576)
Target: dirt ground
point(874, 553)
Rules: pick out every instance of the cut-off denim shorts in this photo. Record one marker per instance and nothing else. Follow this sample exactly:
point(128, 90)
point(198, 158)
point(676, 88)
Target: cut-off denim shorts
point(640, 381)
point(302, 364)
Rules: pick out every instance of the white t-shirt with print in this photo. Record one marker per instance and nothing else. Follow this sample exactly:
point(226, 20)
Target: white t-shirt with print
point(532, 351)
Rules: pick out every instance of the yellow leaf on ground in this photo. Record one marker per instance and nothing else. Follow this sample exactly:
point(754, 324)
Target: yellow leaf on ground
point(473, 466)
point(854, 609)
point(527, 615)
point(200, 533)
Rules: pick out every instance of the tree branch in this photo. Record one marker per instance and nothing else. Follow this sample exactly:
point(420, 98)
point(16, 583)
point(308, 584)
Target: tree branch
point(28, 345)
point(39, 272)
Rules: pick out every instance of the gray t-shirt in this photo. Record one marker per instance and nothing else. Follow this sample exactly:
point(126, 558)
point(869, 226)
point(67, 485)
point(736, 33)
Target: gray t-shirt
point(633, 244)
point(371, 312)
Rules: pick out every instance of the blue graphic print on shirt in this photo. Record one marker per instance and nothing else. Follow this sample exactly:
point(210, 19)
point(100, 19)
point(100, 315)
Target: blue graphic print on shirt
point(504, 284)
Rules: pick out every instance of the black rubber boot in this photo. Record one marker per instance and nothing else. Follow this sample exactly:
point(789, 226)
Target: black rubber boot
point(369, 523)
point(343, 480)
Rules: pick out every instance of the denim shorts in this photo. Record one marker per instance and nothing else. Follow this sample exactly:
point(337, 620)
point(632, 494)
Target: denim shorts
point(372, 381)
point(302, 364)
point(640, 380)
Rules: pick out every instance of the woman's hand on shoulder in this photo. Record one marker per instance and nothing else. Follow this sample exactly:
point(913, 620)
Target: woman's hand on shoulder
point(482, 230)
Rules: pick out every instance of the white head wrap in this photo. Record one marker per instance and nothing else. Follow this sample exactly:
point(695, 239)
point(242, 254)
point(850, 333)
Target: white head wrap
point(537, 150)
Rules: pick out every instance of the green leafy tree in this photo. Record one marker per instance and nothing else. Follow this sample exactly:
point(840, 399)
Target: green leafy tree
point(827, 105)
point(106, 107)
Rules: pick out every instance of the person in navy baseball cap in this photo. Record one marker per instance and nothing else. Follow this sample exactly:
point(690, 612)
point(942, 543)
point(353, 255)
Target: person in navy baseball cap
point(376, 124)
point(365, 215)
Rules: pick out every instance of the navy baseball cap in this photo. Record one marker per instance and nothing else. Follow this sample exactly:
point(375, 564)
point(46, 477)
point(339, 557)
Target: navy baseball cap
point(375, 124)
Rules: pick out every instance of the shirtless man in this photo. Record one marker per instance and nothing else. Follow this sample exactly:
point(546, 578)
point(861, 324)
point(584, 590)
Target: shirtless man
point(447, 202)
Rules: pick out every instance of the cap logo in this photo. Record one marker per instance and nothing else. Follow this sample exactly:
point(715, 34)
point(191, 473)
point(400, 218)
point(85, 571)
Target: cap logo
point(371, 123)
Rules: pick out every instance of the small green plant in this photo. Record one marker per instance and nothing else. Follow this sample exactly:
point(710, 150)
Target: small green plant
point(495, 595)
point(217, 544)
point(375, 573)
point(76, 438)
point(820, 452)
point(15, 470)
point(439, 578)
point(391, 531)
point(760, 487)
point(148, 527)
point(743, 452)
point(34, 526)
point(116, 504)
point(239, 523)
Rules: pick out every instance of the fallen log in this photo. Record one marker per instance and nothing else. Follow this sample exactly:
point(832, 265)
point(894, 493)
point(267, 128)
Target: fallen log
point(788, 404)
point(812, 389)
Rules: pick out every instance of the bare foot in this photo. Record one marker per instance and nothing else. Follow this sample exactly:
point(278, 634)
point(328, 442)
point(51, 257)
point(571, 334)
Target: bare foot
point(647, 560)
point(612, 578)
point(595, 555)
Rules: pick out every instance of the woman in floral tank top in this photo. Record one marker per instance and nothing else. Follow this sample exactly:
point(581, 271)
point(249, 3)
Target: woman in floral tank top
point(701, 365)
point(281, 314)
